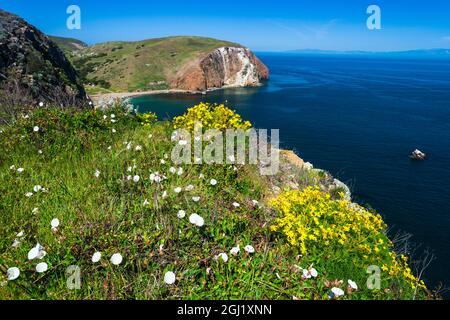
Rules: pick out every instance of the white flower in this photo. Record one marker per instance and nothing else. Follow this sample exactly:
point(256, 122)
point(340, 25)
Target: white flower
point(255, 202)
point(201, 176)
point(55, 223)
point(37, 188)
point(235, 250)
point(96, 257)
point(181, 214)
point(113, 130)
point(35, 128)
point(112, 115)
point(41, 267)
point(213, 182)
point(13, 273)
point(162, 161)
point(40, 151)
point(29, 194)
point(224, 256)
point(20, 170)
point(172, 170)
point(136, 178)
point(313, 272)
point(13, 167)
point(113, 121)
point(236, 205)
point(20, 234)
point(146, 203)
point(37, 252)
point(41, 104)
point(97, 173)
point(189, 187)
point(182, 142)
point(337, 292)
point(196, 199)
point(129, 146)
point(138, 148)
point(248, 248)
point(180, 171)
point(177, 190)
point(352, 284)
point(116, 259)
point(169, 277)
point(35, 210)
point(196, 219)
point(164, 195)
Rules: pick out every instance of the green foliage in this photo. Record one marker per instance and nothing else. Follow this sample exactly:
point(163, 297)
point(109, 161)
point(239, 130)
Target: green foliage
point(87, 164)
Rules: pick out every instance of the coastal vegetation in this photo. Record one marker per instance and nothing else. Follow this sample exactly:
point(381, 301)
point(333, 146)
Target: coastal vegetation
point(93, 195)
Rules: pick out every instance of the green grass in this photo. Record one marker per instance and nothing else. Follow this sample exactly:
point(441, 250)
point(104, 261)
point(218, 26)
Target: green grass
point(107, 214)
point(68, 45)
point(141, 65)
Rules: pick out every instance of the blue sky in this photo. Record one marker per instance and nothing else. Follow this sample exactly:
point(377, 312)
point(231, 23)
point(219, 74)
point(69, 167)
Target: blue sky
point(261, 25)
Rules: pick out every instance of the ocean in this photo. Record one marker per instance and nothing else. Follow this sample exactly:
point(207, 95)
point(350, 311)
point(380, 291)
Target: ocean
point(359, 118)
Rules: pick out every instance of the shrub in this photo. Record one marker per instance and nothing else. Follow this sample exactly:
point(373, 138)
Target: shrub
point(147, 119)
point(212, 116)
point(338, 230)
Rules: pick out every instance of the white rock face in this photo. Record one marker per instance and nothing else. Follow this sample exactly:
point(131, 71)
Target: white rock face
point(238, 69)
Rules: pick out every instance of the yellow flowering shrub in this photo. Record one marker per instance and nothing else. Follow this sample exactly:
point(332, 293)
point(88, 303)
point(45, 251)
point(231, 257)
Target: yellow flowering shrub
point(212, 116)
point(148, 118)
point(337, 229)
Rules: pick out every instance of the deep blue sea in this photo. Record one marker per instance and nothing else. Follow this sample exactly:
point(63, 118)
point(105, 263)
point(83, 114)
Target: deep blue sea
point(359, 118)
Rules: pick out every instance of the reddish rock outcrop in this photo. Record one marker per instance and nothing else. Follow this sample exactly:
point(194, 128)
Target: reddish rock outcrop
point(223, 67)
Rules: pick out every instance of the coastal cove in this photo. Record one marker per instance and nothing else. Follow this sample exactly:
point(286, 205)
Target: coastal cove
point(359, 118)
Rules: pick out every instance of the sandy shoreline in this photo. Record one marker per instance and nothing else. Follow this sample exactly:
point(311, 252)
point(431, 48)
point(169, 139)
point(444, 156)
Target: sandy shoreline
point(100, 98)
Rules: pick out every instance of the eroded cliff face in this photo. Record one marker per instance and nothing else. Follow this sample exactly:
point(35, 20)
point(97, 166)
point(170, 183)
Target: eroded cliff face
point(223, 67)
point(29, 58)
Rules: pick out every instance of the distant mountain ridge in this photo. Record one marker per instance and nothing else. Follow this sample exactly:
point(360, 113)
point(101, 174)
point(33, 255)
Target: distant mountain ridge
point(68, 45)
point(436, 53)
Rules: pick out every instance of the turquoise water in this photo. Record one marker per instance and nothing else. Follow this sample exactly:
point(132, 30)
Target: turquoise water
point(359, 118)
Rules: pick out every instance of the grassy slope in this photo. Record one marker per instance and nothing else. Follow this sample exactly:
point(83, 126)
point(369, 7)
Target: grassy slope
point(142, 65)
point(68, 45)
point(107, 214)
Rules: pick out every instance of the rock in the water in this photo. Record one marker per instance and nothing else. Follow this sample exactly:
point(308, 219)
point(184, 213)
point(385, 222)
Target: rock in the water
point(31, 61)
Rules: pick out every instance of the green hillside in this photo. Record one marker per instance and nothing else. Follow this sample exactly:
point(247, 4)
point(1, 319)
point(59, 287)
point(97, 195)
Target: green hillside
point(139, 66)
point(68, 45)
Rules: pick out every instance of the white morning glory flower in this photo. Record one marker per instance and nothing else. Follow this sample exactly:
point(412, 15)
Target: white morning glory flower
point(196, 220)
point(13, 273)
point(37, 252)
point(235, 250)
point(177, 190)
point(213, 182)
point(236, 205)
point(146, 203)
point(138, 148)
point(224, 257)
point(54, 223)
point(96, 257)
point(181, 214)
point(97, 173)
point(189, 187)
point(20, 170)
point(113, 130)
point(29, 194)
point(41, 104)
point(196, 199)
point(116, 259)
point(172, 170)
point(337, 292)
point(136, 178)
point(169, 277)
point(36, 129)
point(41, 267)
point(352, 284)
point(248, 248)
point(180, 171)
